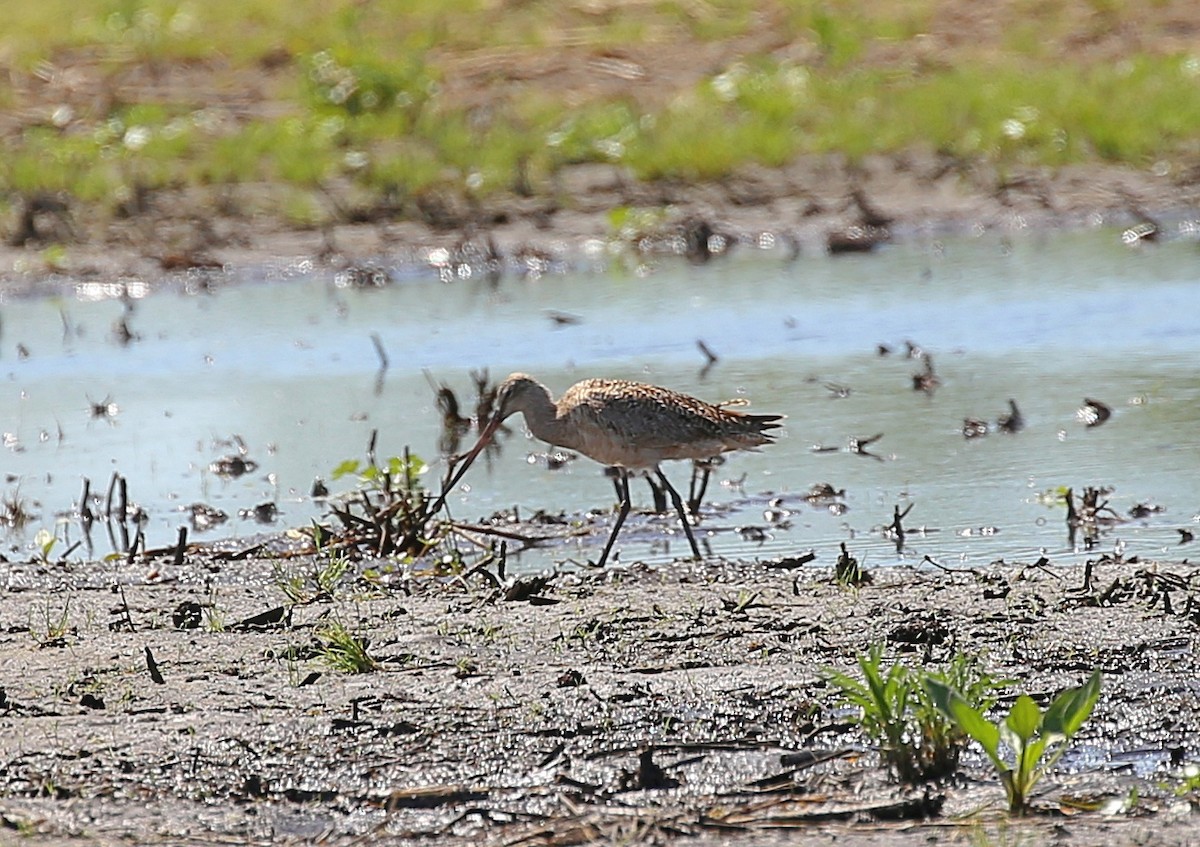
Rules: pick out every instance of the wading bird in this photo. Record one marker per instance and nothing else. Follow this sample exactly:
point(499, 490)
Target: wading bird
point(631, 426)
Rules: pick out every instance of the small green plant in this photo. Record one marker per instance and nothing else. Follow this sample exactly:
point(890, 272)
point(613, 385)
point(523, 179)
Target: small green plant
point(1189, 784)
point(329, 576)
point(55, 627)
point(1036, 739)
point(45, 542)
point(916, 741)
point(214, 618)
point(344, 651)
point(396, 473)
point(847, 572)
point(388, 508)
point(746, 599)
point(319, 582)
point(291, 584)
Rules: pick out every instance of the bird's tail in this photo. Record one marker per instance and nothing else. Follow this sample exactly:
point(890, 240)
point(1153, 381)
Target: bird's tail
point(756, 429)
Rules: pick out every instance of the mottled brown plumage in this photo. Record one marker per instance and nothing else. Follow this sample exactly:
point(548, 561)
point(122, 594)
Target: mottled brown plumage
point(627, 425)
point(631, 425)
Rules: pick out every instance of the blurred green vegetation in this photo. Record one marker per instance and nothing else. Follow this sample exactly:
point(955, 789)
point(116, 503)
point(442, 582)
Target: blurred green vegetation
point(396, 97)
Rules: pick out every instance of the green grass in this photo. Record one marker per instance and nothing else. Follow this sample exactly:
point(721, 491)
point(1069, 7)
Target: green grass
point(344, 651)
point(1134, 112)
point(363, 95)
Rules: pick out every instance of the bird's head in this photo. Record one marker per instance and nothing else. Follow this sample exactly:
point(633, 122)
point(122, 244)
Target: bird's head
point(516, 394)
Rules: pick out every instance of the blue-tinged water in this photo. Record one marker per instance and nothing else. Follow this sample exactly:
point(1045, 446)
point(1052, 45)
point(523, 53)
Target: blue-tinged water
point(284, 360)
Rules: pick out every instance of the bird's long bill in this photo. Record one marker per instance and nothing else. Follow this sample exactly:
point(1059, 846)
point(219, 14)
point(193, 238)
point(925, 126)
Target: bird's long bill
point(465, 461)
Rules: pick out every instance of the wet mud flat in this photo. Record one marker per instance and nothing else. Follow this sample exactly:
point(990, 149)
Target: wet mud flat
point(200, 703)
point(817, 206)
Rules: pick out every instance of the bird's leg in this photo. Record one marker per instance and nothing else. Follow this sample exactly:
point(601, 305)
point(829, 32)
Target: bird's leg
point(622, 483)
point(696, 491)
point(660, 496)
point(677, 502)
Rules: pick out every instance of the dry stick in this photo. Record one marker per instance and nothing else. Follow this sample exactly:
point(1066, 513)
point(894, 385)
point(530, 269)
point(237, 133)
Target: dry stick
point(122, 510)
point(502, 533)
point(139, 540)
point(86, 516)
point(382, 525)
point(108, 499)
point(85, 511)
point(379, 351)
point(1107, 595)
point(1040, 565)
point(125, 606)
point(181, 547)
point(383, 363)
point(897, 527)
point(928, 561)
point(123, 528)
point(371, 448)
point(123, 498)
point(152, 667)
point(240, 555)
point(482, 568)
point(415, 527)
point(112, 538)
point(710, 358)
point(406, 500)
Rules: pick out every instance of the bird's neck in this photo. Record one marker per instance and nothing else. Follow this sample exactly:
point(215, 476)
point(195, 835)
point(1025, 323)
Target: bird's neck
point(542, 419)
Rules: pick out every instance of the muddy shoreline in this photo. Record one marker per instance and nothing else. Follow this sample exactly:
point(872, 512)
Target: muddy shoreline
point(684, 703)
point(802, 209)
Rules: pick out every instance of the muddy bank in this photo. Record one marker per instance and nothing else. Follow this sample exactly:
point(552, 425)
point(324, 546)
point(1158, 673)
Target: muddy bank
point(197, 703)
point(814, 206)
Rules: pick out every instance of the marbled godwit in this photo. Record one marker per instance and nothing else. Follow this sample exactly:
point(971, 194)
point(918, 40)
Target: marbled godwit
point(628, 425)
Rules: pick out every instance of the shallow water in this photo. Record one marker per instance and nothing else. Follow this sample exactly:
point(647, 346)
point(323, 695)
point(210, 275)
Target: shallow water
point(284, 360)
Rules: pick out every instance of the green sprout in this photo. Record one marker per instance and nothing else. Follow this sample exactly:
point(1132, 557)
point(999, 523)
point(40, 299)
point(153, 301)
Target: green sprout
point(319, 582)
point(1189, 785)
point(45, 541)
point(1036, 739)
point(343, 651)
